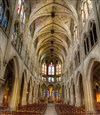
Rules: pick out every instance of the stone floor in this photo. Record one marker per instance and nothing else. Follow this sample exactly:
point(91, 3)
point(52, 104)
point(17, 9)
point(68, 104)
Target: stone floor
point(50, 110)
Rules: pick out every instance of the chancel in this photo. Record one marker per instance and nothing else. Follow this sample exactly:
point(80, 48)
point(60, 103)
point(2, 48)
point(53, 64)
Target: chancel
point(49, 57)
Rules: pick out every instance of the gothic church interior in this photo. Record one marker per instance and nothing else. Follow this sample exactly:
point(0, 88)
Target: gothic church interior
point(49, 54)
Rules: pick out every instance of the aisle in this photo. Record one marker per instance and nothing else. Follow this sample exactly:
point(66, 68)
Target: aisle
point(50, 110)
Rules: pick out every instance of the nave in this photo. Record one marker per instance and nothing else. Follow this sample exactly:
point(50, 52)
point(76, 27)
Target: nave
point(49, 57)
point(50, 110)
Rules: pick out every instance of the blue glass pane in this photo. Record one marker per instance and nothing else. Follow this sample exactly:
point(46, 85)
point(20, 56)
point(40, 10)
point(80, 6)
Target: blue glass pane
point(5, 23)
point(56, 94)
point(1, 12)
point(53, 94)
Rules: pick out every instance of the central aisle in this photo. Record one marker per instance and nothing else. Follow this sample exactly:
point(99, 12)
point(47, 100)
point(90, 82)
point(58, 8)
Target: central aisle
point(50, 110)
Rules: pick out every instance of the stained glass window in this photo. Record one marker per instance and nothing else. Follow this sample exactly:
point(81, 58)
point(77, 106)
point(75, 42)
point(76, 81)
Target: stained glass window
point(22, 12)
point(59, 78)
point(21, 7)
point(86, 9)
point(89, 2)
point(1, 11)
point(5, 20)
point(82, 16)
point(51, 69)
point(43, 79)
point(50, 79)
point(44, 92)
point(15, 33)
point(44, 69)
point(58, 69)
point(53, 93)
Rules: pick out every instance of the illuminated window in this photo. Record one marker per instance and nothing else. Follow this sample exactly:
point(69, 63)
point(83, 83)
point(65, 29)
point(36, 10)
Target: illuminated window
point(51, 69)
point(2, 9)
point(58, 69)
point(53, 93)
point(44, 92)
point(4, 14)
point(44, 69)
point(86, 9)
point(50, 79)
point(43, 79)
point(21, 7)
point(22, 12)
point(16, 39)
point(59, 78)
point(5, 20)
point(15, 33)
point(89, 2)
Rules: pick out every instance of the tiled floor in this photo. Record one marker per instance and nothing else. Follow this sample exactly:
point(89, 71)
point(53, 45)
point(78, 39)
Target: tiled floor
point(50, 110)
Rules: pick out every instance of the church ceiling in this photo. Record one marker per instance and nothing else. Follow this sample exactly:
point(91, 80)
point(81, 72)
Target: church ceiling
point(52, 27)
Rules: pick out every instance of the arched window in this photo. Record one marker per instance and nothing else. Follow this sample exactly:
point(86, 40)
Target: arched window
point(2, 9)
point(17, 37)
point(50, 79)
point(21, 7)
point(86, 44)
point(4, 13)
point(90, 5)
point(83, 17)
point(43, 79)
point(59, 78)
point(86, 8)
point(51, 69)
point(44, 68)
point(91, 38)
point(93, 33)
point(15, 33)
point(6, 19)
point(58, 69)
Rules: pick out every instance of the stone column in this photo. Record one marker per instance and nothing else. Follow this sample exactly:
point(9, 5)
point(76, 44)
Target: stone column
point(71, 96)
point(1, 93)
point(78, 95)
point(68, 95)
point(30, 95)
point(89, 100)
point(24, 94)
point(65, 96)
point(14, 96)
point(2, 86)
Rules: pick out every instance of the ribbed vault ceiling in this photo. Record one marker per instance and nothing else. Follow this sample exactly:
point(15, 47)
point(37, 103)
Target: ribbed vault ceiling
point(52, 28)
